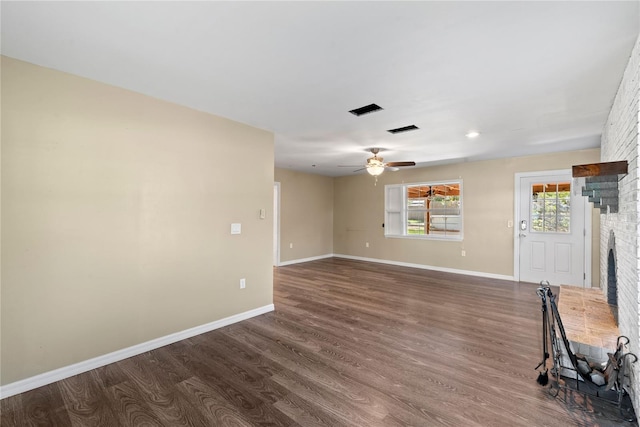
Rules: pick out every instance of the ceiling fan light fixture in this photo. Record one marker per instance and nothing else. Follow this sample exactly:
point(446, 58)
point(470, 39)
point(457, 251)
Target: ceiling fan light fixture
point(375, 167)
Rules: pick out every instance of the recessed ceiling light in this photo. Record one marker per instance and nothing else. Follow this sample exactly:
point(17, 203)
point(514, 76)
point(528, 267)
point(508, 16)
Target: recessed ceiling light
point(473, 134)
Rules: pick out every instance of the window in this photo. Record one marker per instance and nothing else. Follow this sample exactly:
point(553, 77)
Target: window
point(424, 210)
point(551, 207)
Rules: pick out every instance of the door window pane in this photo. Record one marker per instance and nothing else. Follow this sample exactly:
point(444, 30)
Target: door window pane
point(551, 207)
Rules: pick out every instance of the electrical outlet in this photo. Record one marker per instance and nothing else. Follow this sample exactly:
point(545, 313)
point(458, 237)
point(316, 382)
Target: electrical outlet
point(464, 253)
point(366, 244)
point(510, 224)
point(243, 283)
point(290, 245)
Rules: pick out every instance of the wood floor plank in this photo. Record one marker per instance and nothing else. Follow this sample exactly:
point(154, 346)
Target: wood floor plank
point(110, 375)
point(230, 386)
point(217, 409)
point(158, 390)
point(85, 401)
point(44, 406)
point(12, 411)
point(306, 413)
point(170, 369)
point(130, 406)
point(350, 343)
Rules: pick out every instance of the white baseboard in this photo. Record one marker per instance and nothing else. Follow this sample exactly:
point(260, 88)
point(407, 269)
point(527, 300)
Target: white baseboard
point(428, 267)
point(87, 365)
point(298, 261)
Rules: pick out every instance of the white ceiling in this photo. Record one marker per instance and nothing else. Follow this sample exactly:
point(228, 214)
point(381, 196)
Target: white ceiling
point(532, 77)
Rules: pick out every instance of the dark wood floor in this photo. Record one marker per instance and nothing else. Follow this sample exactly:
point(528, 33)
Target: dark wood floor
point(350, 344)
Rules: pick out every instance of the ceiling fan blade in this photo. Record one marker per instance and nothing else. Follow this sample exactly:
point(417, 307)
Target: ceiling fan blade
point(358, 170)
point(396, 164)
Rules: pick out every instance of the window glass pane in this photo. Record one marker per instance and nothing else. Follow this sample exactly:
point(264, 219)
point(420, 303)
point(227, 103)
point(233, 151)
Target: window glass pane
point(417, 196)
point(454, 224)
point(416, 222)
point(563, 223)
point(445, 210)
point(444, 224)
point(564, 201)
point(549, 214)
point(426, 209)
point(444, 216)
point(551, 207)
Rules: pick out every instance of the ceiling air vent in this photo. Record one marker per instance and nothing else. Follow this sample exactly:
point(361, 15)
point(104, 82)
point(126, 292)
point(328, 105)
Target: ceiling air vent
point(403, 129)
point(366, 109)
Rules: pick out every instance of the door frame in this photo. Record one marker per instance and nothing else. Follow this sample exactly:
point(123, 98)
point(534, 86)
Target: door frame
point(587, 242)
point(276, 224)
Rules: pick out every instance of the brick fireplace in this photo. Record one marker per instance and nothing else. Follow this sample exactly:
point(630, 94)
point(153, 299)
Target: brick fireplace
point(612, 279)
point(619, 231)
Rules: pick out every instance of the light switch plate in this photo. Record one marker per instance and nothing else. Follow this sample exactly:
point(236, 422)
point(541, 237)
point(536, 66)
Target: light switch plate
point(236, 228)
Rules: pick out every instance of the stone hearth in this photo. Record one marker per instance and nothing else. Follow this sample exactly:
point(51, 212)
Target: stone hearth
point(587, 317)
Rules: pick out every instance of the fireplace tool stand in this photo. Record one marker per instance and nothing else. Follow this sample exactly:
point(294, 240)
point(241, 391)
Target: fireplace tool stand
point(607, 380)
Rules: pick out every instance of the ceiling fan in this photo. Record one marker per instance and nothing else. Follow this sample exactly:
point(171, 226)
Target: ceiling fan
point(375, 165)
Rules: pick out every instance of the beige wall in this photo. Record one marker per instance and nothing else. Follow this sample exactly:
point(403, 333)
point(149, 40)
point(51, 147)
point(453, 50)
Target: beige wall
point(359, 214)
point(116, 213)
point(306, 215)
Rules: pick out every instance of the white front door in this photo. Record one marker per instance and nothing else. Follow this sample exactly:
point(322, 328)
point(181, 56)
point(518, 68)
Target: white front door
point(550, 229)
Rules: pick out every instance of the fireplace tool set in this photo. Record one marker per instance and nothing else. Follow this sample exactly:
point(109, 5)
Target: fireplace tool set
point(607, 380)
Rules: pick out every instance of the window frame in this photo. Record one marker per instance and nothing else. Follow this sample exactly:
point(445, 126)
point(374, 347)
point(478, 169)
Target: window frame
point(396, 211)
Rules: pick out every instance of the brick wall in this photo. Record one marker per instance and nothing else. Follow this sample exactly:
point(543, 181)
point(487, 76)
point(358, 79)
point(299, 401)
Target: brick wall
point(620, 142)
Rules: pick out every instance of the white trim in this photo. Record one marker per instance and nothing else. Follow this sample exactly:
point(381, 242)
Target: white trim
point(87, 365)
point(516, 226)
point(313, 258)
point(276, 223)
point(425, 237)
point(428, 267)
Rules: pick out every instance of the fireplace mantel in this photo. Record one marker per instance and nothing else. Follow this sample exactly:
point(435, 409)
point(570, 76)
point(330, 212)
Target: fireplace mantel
point(601, 183)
